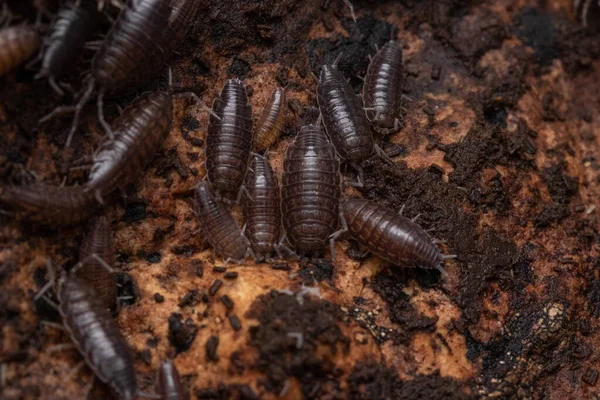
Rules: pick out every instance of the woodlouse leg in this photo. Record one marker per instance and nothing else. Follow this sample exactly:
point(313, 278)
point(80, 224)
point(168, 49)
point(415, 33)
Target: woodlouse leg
point(441, 269)
point(414, 219)
point(332, 249)
point(351, 7)
point(281, 245)
point(48, 285)
point(194, 96)
point(76, 369)
point(105, 125)
point(337, 59)
point(449, 256)
point(145, 395)
point(383, 155)
point(60, 347)
point(241, 192)
point(53, 325)
point(55, 86)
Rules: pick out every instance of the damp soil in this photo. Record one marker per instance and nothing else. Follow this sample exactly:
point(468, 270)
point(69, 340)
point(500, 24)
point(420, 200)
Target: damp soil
point(497, 156)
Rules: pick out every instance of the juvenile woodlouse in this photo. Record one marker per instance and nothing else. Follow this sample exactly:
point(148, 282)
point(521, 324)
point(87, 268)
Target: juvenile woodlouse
point(99, 243)
point(138, 134)
point(218, 225)
point(343, 117)
point(73, 26)
point(17, 44)
point(310, 194)
point(169, 384)
point(382, 90)
point(391, 236)
point(50, 204)
point(96, 335)
point(271, 120)
point(229, 139)
point(261, 208)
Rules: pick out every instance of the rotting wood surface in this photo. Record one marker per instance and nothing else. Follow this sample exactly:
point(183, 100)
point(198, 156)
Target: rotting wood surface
point(499, 154)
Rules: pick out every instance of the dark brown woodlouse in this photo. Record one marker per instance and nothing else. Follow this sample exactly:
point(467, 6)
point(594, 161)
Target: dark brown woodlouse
point(390, 235)
point(72, 27)
point(310, 193)
point(271, 120)
point(17, 44)
point(50, 204)
point(343, 117)
point(138, 134)
point(382, 90)
point(261, 208)
point(97, 256)
point(218, 225)
point(169, 385)
point(229, 139)
point(96, 335)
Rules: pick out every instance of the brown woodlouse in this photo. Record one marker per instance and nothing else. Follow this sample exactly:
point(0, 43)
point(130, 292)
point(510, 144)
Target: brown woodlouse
point(310, 194)
point(17, 44)
point(261, 208)
point(218, 225)
point(139, 132)
point(50, 204)
point(229, 139)
point(343, 117)
point(390, 235)
point(73, 26)
point(169, 384)
point(95, 334)
point(96, 272)
point(382, 90)
point(271, 120)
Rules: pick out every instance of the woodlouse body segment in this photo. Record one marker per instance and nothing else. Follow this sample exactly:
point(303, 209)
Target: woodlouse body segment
point(218, 225)
point(182, 14)
point(17, 44)
point(261, 208)
point(382, 91)
point(138, 134)
point(229, 139)
point(310, 191)
point(70, 31)
point(271, 120)
point(96, 335)
point(343, 117)
point(99, 241)
point(132, 49)
point(169, 383)
point(389, 235)
point(49, 204)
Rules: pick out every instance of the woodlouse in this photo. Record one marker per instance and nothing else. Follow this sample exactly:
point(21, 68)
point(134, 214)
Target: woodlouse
point(169, 384)
point(271, 120)
point(50, 204)
point(96, 335)
point(99, 243)
point(229, 139)
point(138, 134)
point(390, 235)
point(261, 208)
point(343, 116)
point(382, 90)
point(73, 26)
point(218, 225)
point(17, 44)
point(311, 189)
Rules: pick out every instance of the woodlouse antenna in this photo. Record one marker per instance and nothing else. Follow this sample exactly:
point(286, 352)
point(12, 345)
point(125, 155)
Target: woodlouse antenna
point(49, 284)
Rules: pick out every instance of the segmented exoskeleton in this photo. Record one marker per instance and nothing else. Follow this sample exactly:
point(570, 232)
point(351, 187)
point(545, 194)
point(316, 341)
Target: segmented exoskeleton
point(390, 235)
point(310, 192)
point(218, 225)
point(229, 139)
point(261, 208)
point(271, 120)
point(382, 90)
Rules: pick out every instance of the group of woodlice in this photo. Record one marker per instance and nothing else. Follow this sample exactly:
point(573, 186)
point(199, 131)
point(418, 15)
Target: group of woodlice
point(306, 213)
